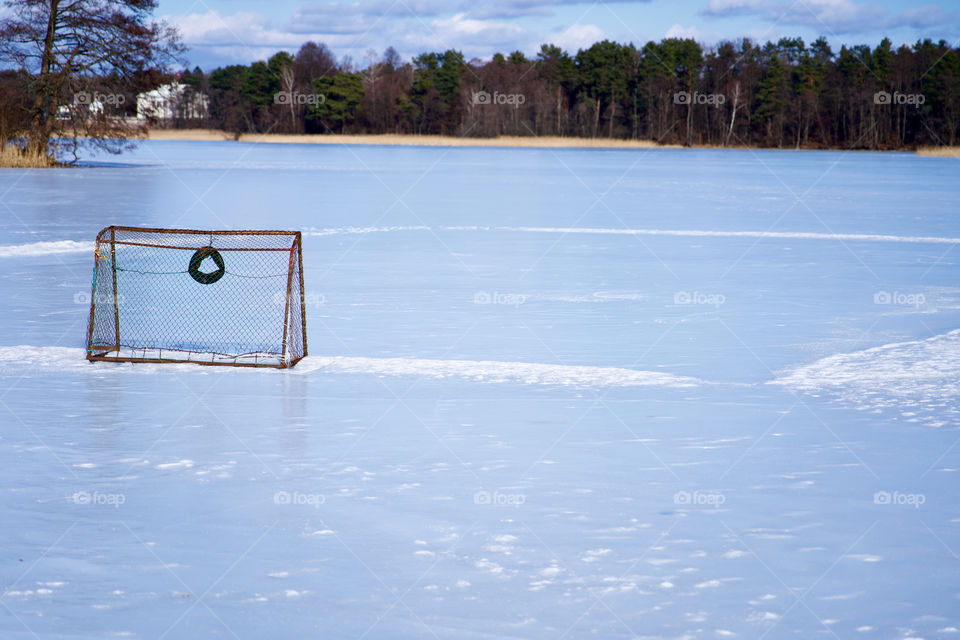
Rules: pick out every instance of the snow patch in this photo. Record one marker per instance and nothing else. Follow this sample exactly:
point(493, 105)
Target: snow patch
point(763, 616)
point(918, 378)
point(486, 565)
point(487, 371)
point(592, 555)
point(44, 248)
point(490, 371)
point(180, 464)
point(64, 359)
point(43, 357)
point(865, 557)
point(551, 572)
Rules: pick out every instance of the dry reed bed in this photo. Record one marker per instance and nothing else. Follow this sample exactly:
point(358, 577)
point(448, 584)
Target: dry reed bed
point(13, 157)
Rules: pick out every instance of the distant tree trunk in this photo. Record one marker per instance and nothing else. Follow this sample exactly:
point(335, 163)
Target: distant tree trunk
point(596, 118)
point(733, 113)
point(559, 111)
point(290, 85)
point(613, 113)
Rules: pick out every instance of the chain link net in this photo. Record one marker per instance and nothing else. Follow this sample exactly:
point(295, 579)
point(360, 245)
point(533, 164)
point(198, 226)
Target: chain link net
point(147, 306)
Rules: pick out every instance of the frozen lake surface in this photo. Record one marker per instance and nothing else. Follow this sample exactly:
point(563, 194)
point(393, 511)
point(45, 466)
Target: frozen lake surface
point(551, 394)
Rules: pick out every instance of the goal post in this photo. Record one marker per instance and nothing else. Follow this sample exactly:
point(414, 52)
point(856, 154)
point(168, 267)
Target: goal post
point(209, 297)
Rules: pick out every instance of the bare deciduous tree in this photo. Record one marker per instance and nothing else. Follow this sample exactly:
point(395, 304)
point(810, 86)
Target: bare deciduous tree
point(85, 58)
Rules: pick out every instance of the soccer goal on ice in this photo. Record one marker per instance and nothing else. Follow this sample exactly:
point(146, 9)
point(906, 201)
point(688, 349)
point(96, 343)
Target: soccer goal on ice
point(210, 297)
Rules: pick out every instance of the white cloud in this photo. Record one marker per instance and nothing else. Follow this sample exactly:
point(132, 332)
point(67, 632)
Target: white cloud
point(832, 16)
point(771, 34)
point(361, 17)
point(842, 16)
point(577, 36)
point(734, 7)
point(245, 28)
point(460, 25)
point(474, 37)
point(217, 39)
point(709, 38)
point(521, 8)
point(927, 16)
point(701, 36)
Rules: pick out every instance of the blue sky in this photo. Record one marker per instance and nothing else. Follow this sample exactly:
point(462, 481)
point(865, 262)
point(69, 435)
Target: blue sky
point(241, 31)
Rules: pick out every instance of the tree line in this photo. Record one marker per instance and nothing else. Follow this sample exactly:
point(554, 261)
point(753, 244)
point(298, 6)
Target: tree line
point(783, 94)
point(55, 74)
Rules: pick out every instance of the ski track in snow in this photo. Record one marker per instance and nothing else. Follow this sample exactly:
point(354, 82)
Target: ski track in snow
point(44, 248)
point(792, 235)
point(695, 233)
point(919, 378)
point(72, 358)
point(71, 246)
point(359, 230)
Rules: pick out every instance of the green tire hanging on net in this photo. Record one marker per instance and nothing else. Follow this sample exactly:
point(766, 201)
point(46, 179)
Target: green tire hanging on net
point(201, 254)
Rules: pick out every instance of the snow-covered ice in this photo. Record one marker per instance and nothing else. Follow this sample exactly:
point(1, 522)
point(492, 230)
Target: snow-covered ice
point(550, 393)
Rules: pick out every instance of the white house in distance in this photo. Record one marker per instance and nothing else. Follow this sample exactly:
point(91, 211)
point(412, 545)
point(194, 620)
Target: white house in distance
point(170, 101)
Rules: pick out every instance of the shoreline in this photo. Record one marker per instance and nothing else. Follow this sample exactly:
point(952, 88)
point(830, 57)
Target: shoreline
point(405, 140)
point(9, 160)
point(531, 142)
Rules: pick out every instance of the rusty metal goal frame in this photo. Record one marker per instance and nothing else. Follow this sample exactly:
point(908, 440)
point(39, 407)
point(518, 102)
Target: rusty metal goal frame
point(108, 340)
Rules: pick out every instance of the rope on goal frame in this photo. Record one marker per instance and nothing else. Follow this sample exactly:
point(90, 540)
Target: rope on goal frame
point(174, 273)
